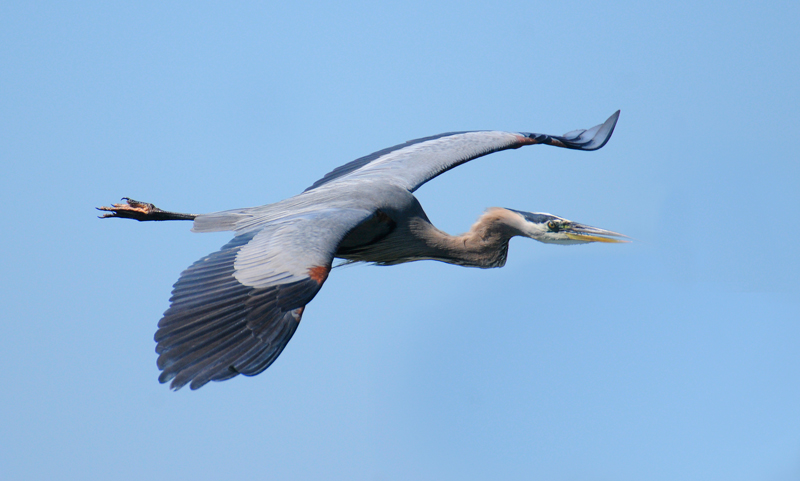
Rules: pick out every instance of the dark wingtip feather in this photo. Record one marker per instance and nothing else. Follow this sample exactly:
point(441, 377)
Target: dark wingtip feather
point(218, 328)
point(591, 139)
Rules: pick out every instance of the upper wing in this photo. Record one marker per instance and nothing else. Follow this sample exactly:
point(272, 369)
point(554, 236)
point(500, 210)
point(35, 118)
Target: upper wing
point(417, 161)
point(233, 311)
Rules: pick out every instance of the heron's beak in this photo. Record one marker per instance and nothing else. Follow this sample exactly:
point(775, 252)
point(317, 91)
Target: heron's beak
point(587, 233)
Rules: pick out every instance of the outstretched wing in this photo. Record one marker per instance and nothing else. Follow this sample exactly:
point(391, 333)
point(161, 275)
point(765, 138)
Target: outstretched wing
point(415, 162)
point(233, 311)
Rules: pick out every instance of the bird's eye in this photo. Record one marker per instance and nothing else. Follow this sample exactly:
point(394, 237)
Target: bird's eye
point(552, 226)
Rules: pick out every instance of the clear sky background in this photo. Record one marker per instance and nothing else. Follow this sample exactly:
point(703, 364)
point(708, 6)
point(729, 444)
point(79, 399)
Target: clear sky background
point(674, 357)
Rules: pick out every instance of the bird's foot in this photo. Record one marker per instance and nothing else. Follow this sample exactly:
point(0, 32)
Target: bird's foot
point(141, 211)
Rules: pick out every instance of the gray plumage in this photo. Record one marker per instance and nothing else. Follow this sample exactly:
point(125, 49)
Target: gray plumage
point(233, 311)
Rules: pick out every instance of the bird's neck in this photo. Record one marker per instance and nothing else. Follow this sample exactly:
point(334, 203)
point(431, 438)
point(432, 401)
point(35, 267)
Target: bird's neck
point(485, 245)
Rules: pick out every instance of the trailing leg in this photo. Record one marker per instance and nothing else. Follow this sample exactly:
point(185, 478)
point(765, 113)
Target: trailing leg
point(141, 211)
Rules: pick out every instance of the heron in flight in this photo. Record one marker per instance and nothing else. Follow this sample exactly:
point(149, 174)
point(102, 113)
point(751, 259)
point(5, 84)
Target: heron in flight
point(233, 311)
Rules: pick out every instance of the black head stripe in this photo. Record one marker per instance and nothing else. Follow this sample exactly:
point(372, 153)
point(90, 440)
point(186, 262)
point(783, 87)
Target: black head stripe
point(534, 218)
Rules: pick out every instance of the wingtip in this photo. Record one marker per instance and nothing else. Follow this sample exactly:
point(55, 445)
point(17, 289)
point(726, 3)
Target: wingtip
point(613, 120)
point(605, 131)
point(589, 139)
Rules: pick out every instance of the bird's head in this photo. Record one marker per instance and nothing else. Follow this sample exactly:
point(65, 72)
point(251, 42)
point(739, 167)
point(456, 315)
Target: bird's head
point(552, 229)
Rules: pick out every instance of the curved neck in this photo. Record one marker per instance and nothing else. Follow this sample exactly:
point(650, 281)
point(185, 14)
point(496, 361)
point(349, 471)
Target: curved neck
point(485, 245)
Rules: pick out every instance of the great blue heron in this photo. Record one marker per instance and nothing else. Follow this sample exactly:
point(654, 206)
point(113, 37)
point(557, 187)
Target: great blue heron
point(233, 311)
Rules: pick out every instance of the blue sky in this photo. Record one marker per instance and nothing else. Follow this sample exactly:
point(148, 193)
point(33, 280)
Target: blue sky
point(674, 357)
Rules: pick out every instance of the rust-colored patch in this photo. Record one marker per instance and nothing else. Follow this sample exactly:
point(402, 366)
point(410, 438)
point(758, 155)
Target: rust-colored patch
point(557, 143)
point(319, 273)
point(526, 140)
point(298, 313)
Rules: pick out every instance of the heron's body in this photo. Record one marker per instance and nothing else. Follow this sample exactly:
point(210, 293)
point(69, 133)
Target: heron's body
point(233, 311)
